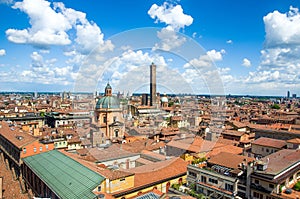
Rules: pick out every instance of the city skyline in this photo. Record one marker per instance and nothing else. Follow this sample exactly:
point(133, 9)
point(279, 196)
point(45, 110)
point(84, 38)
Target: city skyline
point(251, 47)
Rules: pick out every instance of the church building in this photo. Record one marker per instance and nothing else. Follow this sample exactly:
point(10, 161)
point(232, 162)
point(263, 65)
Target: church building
point(108, 116)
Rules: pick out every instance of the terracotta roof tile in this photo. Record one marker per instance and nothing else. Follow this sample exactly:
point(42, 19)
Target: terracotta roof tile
point(229, 160)
point(15, 135)
point(233, 133)
point(225, 148)
point(158, 171)
point(269, 142)
point(281, 160)
point(107, 173)
point(294, 141)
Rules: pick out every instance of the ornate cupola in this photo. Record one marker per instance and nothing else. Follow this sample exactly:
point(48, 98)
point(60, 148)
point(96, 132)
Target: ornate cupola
point(108, 90)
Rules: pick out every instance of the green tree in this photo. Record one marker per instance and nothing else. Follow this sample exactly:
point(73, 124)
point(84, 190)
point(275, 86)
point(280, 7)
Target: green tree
point(275, 106)
point(297, 186)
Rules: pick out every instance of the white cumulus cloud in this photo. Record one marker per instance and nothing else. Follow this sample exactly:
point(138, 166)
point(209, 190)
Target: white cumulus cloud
point(206, 60)
point(43, 71)
point(171, 15)
point(2, 52)
point(169, 40)
point(175, 19)
point(51, 24)
point(282, 28)
point(47, 26)
point(280, 62)
point(90, 37)
point(246, 62)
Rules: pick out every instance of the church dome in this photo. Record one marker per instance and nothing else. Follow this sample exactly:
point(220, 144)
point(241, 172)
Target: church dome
point(108, 102)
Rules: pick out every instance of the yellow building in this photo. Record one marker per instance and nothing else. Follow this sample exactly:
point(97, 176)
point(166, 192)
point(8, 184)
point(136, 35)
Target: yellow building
point(159, 176)
point(116, 181)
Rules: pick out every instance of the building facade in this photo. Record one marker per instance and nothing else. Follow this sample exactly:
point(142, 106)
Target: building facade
point(224, 176)
point(109, 118)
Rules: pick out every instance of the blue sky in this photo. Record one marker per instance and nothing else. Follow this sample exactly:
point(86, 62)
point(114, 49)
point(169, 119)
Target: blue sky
point(230, 47)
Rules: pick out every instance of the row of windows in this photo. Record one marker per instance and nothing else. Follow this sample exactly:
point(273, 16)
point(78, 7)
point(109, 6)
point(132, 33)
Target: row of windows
point(267, 150)
point(35, 150)
point(270, 185)
point(261, 196)
point(105, 119)
point(60, 143)
point(192, 174)
point(8, 146)
point(258, 195)
point(213, 180)
point(242, 188)
point(228, 187)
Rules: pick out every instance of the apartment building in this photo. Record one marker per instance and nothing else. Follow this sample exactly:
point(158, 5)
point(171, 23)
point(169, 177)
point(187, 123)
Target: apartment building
point(233, 176)
point(223, 176)
point(274, 174)
point(16, 144)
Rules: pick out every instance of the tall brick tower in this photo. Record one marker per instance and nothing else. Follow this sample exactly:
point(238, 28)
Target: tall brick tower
point(152, 84)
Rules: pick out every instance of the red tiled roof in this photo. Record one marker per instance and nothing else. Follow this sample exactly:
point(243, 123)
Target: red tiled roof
point(294, 141)
point(229, 160)
point(139, 145)
point(153, 154)
point(15, 135)
point(281, 160)
point(157, 171)
point(107, 173)
point(239, 124)
point(225, 148)
point(233, 133)
point(269, 142)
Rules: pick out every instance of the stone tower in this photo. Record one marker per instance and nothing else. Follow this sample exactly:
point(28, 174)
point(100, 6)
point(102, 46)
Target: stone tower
point(152, 84)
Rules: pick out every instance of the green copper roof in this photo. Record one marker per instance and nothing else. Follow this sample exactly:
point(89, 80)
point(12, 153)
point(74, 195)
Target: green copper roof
point(67, 178)
point(108, 86)
point(108, 102)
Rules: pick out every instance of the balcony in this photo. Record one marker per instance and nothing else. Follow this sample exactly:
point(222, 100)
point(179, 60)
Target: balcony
point(260, 188)
point(211, 172)
point(214, 189)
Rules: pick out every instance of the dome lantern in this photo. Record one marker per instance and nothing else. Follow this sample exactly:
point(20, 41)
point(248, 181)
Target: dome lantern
point(108, 90)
